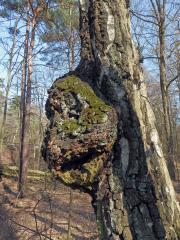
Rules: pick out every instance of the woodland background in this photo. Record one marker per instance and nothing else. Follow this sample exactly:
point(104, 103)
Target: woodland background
point(39, 41)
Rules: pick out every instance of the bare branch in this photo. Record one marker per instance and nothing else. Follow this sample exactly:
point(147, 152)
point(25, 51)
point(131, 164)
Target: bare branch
point(143, 19)
point(171, 81)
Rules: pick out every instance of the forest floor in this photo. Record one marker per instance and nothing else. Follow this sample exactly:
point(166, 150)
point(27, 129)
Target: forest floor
point(44, 213)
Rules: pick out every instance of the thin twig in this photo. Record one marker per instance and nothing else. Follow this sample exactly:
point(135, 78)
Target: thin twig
point(25, 227)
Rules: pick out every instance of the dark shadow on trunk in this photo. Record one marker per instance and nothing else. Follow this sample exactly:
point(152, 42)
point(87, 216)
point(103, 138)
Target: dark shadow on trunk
point(138, 193)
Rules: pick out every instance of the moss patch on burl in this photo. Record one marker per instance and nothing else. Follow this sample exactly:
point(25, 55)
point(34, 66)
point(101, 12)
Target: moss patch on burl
point(74, 84)
point(70, 126)
point(86, 176)
point(81, 133)
point(97, 110)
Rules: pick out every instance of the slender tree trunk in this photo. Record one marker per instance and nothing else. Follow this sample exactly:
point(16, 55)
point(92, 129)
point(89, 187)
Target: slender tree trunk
point(163, 83)
point(134, 198)
point(29, 85)
point(26, 105)
point(70, 42)
point(165, 100)
point(178, 68)
point(177, 54)
point(23, 115)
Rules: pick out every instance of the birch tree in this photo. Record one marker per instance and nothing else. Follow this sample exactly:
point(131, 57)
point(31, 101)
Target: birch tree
point(133, 196)
point(159, 21)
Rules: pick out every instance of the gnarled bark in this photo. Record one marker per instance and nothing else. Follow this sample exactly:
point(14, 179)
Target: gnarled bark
point(133, 196)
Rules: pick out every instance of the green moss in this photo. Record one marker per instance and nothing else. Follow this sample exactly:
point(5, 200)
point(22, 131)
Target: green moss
point(93, 116)
point(93, 168)
point(71, 126)
point(74, 177)
point(86, 177)
point(74, 84)
point(68, 126)
point(97, 110)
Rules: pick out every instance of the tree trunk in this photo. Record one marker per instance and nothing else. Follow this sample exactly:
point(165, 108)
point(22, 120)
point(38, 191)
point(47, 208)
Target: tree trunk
point(177, 54)
point(134, 198)
point(132, 192)
point(165, 98)
point(163, 83)
point(23, 150)
point(26, 105)
point(71, 42)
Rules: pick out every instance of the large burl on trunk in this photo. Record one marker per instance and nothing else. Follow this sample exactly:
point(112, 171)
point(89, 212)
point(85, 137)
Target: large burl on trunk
point(110, 147)
point(82, 132)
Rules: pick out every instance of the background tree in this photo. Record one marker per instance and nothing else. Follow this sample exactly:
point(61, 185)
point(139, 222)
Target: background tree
point(35, 8)
point(36, 18)
point(61, 32)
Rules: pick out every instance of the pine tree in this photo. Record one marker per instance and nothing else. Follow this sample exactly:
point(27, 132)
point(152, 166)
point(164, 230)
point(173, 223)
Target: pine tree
point(62, 31)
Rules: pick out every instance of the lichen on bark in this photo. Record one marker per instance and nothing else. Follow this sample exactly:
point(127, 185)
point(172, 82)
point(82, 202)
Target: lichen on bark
point(81, 133)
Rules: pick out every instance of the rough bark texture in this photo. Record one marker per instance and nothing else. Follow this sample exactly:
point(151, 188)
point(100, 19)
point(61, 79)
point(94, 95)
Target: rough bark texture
point(133, 196)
